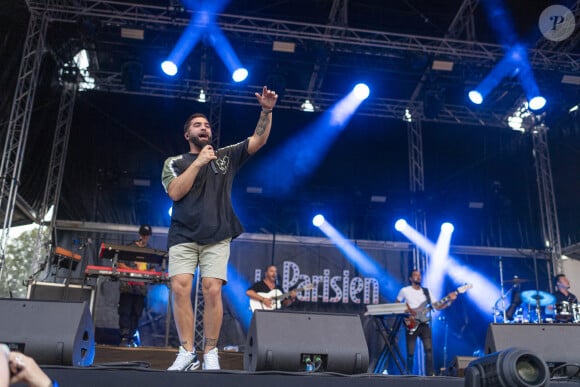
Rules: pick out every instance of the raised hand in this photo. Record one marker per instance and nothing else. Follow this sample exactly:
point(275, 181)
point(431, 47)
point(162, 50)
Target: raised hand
point(267, 99)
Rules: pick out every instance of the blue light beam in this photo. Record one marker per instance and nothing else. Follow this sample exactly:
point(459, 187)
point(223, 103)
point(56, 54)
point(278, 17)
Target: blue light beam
point(300, 155)
point(438, 260)
point(485, 292)
point(366, 265)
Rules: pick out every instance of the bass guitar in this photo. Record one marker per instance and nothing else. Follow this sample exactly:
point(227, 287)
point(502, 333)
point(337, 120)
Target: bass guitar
point(421, 313)
point(276, 296)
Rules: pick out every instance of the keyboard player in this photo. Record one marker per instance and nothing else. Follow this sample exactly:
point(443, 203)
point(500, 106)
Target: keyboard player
point(132, 294)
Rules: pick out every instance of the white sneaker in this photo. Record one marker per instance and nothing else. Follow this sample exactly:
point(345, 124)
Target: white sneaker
point(185, 361)
point(211, 360)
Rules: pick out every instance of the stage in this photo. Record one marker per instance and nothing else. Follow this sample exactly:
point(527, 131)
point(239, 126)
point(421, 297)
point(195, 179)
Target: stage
point(145, 367)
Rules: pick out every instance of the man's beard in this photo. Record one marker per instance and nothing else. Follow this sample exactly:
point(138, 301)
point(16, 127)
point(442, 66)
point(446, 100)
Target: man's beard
point(195, 140)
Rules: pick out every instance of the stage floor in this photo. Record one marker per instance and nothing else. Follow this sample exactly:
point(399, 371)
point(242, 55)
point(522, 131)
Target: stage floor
point(146, 367)
point(158, 358)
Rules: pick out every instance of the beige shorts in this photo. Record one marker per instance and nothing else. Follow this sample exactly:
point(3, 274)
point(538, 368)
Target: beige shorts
point(212, 259)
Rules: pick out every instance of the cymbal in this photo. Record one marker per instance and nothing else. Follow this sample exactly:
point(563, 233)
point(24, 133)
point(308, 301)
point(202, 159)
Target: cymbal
point(532, 296)
point(517, 280)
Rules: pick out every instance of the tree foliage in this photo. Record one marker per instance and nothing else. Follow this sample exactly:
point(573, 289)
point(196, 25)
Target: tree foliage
point(21, 253)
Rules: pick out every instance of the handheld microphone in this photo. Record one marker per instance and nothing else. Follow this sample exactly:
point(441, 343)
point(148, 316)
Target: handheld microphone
point(213, 167)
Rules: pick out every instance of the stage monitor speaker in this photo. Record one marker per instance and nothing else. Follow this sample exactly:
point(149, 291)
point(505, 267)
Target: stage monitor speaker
point(51, 291)
point(552, 342)
point(458, 365)
point(51, 332)
point(292, 341)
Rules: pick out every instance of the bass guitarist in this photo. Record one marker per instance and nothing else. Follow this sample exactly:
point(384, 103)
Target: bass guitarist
point(259, 290)
point(420, 304)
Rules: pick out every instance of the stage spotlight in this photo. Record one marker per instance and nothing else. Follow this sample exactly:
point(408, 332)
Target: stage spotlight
point(169, 68)
point(307, 106)
point(401, 224)
point(475, 97)
point(318, 220)
point(240, 74)
point(447, 227)
point(361, 91)
point(537, 103)
point(202, 96)
point(511, 367)
point(170, 211)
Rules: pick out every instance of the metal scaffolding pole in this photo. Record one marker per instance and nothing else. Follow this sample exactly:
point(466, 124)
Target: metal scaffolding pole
point(215, 118)
point(548, 210)
point(198, 308)
point(17, 133)
point(417, 186)
point(57, 160)
point(462, 24)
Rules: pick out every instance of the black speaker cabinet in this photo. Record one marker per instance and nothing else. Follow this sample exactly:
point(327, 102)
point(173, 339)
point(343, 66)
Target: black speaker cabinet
point(554, 343)
point(51, 332)
point(459, 364)
point(50, 291)
point(286, 341)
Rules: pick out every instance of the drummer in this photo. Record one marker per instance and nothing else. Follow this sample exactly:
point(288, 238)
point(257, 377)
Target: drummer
point(563, 296)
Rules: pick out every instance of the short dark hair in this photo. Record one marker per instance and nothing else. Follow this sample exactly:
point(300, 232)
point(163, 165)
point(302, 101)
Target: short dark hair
point(191, 118)
point(558, 276)
point(145, 229)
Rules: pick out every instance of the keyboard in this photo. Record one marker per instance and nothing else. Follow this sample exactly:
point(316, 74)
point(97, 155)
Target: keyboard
point(126, 274)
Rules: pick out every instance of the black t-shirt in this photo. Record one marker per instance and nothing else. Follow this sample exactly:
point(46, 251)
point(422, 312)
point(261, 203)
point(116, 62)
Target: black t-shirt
point(261, 287)
point(571, 298)
point(205, 214)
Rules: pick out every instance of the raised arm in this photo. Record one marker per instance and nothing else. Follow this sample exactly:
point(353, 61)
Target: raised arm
point(267, 100)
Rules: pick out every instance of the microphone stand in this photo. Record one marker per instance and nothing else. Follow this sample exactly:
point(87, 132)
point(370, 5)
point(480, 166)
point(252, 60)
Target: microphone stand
point(538, 309)
point(276, 297)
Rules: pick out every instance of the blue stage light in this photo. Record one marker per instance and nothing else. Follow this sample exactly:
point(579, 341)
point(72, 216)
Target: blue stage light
point(169, 68)
point(170, 211)
point(536, 103)
point(318, 220)
point(240, 74)
point(447, 227)
point(361, 91)
point(401, 224)
point(475, 97)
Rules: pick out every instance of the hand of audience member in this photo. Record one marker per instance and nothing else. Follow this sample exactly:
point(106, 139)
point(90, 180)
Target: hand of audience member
point(24, 369)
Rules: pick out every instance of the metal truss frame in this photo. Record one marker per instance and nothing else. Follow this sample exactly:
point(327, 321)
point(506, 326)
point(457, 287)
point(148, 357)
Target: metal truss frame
point(548, 210)
point(57, 160)
point(185, 88)
point(265, 30)
point(17, 133)
point(417, 186)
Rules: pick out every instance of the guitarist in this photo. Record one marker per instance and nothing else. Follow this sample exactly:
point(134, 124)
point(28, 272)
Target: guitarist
point(268, 284)
point(417, 297)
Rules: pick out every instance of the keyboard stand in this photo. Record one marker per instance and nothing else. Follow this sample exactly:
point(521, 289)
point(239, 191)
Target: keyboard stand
point(391, 348)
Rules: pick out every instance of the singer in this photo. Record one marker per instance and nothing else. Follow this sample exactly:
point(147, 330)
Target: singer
point(203, 223)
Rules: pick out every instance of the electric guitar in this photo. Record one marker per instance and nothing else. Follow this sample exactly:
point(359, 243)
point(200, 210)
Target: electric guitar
point(420, 314)
point(276, 296)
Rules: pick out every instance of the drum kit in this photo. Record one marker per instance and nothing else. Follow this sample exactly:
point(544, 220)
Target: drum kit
point(535, 301)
